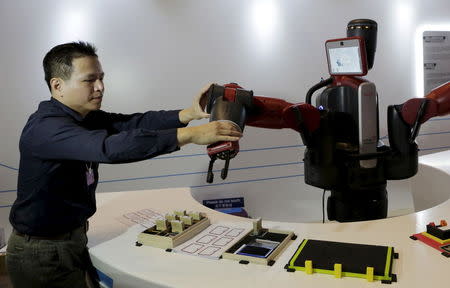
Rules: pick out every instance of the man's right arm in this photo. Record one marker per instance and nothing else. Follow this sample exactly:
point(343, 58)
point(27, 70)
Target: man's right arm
point(59, 138)
point(209, 133)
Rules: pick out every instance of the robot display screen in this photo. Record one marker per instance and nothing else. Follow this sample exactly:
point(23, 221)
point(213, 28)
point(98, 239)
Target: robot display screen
point(345, 58)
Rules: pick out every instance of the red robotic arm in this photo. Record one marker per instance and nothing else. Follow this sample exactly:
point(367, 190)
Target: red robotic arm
point(436, 103)
point(232, 103)
point(418, 110)
point(277, 114)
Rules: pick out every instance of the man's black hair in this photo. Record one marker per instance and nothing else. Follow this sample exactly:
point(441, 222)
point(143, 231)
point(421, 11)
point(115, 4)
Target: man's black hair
point(58, 61)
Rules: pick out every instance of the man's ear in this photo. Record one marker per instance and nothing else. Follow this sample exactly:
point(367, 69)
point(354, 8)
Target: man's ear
point(56, 85)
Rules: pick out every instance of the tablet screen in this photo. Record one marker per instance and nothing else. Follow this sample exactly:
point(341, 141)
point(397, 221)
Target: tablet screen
point(345, 57)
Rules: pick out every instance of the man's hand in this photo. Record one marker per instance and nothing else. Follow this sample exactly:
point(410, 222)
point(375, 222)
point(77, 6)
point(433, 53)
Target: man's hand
point(196, 111)
point(209, 133)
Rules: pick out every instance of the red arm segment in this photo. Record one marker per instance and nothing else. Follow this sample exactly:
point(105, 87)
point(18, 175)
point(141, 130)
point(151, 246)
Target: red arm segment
point(438, 104)
point(232, 103)
point(278, 114)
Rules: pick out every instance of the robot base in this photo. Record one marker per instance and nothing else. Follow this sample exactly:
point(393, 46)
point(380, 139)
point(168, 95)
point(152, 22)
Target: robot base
point(357, 205)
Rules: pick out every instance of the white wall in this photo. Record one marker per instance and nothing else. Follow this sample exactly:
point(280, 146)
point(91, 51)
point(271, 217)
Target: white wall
point(157, 54)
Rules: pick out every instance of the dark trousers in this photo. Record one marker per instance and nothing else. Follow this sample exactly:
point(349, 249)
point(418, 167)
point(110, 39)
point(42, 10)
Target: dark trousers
point(34, 263)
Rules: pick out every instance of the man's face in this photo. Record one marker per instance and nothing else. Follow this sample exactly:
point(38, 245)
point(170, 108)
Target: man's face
point(83, 92)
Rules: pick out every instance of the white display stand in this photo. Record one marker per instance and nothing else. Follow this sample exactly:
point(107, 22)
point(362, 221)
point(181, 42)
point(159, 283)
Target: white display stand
point(113, 249)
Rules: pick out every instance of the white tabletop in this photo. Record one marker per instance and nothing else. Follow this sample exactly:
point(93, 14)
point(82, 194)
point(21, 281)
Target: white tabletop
point(114, 253)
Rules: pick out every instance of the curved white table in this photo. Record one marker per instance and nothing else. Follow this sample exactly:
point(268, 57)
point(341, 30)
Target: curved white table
point(114, 253)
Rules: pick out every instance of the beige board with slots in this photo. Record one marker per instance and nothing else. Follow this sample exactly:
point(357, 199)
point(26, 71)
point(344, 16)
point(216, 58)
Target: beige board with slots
point(175, 229)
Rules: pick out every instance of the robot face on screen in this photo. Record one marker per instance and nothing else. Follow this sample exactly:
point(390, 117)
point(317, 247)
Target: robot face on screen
point(346, 56)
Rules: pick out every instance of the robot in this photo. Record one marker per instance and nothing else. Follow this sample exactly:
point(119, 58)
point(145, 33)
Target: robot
point(341, 132)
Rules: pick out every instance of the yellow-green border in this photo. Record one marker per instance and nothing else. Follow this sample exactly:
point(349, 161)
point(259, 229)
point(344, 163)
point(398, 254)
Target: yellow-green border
point(434, 238)
point(349, 274)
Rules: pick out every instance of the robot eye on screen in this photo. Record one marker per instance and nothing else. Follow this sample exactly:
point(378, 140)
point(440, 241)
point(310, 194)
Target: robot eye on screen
point(341, 131)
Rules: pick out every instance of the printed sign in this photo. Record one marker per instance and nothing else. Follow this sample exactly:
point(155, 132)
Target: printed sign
point(224, 203)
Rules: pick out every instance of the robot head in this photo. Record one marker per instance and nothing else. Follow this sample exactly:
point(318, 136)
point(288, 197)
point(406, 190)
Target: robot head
point(367, 29)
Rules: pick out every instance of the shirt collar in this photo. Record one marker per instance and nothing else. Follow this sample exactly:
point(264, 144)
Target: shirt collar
point(66, 109)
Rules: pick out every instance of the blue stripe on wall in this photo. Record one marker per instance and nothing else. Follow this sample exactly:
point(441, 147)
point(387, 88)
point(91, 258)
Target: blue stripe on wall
point(259, 149)
point(247, 181)
point(9, 167)
point(200, 172)
point(227, 183)
point(439, 119)
point(232, 169)
point(7, 191)
point(434, 148)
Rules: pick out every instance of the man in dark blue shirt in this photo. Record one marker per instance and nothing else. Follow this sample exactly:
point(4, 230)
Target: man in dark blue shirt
point(61, 147)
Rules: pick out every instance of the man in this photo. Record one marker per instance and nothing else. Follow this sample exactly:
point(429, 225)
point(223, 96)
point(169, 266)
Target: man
point(61, 147)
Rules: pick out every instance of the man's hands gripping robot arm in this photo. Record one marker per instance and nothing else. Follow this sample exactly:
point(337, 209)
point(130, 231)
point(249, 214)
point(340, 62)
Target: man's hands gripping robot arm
point(231, 103)
point(204, 134)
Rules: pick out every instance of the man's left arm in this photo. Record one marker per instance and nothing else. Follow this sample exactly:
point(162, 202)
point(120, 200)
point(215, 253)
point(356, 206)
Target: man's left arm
point(197, 110)
point(154, 120)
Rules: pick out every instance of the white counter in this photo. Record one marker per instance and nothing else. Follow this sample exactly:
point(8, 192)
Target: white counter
point(114, 252)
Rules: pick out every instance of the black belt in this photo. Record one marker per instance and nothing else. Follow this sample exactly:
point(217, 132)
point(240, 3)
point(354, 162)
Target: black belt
point(62, 236)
